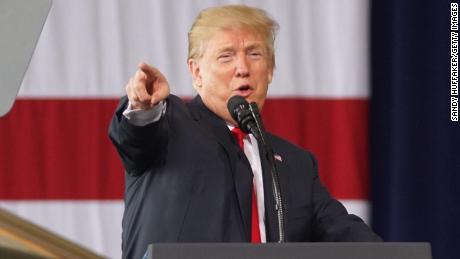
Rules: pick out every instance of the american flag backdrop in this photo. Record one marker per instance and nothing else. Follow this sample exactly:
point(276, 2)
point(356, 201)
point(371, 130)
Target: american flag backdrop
point(57, 166)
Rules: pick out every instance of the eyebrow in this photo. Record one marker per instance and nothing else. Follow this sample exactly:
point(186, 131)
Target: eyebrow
point(225, 49)
point(254, 46)
point(249, 47)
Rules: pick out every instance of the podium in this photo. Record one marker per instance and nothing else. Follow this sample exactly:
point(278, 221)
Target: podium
point(290, 251)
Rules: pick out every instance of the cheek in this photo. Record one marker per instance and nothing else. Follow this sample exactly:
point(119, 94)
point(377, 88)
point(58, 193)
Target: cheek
point(216, 89)
point(222, 73)
point(220, 79)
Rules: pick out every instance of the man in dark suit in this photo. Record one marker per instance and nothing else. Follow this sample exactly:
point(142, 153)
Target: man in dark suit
point(188, 179)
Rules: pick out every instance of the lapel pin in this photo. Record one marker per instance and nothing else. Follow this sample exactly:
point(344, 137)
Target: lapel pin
point(278, 157)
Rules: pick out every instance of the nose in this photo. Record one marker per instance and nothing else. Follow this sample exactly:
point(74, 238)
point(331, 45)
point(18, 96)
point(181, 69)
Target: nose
point(242, 66)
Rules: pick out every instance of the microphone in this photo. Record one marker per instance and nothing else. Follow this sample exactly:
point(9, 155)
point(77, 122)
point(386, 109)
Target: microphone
point(241, 113)
point(247, 117)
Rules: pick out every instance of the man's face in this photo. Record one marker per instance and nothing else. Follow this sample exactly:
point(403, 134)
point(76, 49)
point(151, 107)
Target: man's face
point(234, 62)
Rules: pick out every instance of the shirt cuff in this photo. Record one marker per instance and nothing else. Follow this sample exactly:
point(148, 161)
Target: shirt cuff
point(139, 117)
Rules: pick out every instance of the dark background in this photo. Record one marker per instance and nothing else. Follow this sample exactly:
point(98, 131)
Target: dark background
point(415, 147)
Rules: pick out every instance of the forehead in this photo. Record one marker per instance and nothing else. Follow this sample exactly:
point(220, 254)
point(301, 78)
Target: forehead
point(233, 39)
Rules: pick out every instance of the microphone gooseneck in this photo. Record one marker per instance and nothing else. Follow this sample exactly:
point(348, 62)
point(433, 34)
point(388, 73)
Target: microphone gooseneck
point(248, 118)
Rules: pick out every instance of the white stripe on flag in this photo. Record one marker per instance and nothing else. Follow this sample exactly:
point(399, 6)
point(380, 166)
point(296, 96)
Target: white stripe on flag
point(91, 48)
point(97, 224)
point(360, 208)
point(93, 224)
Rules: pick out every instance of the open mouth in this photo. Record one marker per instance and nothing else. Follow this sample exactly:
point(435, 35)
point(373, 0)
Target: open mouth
point(244, 90)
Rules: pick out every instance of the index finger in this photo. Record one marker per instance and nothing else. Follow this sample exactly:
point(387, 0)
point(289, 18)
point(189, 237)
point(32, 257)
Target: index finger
point(149, 71)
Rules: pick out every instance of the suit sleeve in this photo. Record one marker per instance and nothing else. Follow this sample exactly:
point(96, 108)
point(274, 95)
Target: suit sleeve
point(332, 223)
point(138, 146)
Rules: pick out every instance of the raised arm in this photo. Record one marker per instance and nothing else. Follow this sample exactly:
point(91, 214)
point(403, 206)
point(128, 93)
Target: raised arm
point(137, 129)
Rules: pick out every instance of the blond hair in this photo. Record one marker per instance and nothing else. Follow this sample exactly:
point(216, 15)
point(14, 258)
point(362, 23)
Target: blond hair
point(225, 17)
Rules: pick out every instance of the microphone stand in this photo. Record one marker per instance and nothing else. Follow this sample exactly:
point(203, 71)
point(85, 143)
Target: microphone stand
point(279, 205)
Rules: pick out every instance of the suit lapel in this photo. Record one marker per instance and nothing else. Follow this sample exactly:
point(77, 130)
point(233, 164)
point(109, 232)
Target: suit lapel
point(239, 165)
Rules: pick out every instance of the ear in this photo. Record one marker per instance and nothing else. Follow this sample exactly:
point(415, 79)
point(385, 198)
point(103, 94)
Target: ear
point(194, 69)
point(270, 76)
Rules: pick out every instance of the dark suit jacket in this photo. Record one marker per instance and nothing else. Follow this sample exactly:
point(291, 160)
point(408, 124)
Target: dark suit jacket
point(188, 181)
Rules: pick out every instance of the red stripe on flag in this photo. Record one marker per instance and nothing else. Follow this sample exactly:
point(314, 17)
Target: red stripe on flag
point(335, 130)
point(59, 149)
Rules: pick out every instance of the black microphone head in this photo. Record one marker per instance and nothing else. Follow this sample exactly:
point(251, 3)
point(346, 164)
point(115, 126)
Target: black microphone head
point(235, 104)
point(239, 109)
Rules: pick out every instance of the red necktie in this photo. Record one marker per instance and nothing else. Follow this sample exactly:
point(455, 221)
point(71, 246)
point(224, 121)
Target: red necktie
point(255, 232)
